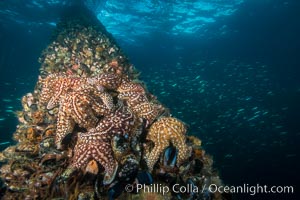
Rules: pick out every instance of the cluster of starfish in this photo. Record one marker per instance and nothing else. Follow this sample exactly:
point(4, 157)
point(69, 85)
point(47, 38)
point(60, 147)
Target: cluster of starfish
point(81, 107)
point(80, 101)
point(83, 101)
point(87, 103)
point(56, 86)
point(135, 96)
point(96, 143)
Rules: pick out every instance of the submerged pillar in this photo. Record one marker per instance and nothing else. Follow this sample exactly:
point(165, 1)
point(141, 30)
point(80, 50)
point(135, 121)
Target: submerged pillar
point(91, 130)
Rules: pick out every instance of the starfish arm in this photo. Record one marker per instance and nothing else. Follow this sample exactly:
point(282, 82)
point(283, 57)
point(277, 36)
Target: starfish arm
point(99, 108)
point(104, 155)
point(153, 156)
point(60, 87)
point(65, 123)
point(183, 150)
point(82, 155)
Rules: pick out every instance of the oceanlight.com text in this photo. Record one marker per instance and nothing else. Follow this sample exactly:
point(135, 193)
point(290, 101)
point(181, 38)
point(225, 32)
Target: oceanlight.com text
point(251, 189)
point(212, 188)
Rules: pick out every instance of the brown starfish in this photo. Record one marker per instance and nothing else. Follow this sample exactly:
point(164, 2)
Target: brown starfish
point(82, 108)
point(96, 143)
point(95, 146)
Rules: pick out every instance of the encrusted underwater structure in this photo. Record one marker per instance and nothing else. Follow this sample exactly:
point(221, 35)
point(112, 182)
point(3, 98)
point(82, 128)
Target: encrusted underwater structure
point(90, 128)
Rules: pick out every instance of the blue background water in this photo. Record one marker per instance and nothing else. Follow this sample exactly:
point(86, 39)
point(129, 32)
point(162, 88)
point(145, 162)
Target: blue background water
point(228, 68)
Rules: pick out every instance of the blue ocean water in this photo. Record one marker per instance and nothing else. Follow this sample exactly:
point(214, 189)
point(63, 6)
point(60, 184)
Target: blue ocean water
point(228, 68)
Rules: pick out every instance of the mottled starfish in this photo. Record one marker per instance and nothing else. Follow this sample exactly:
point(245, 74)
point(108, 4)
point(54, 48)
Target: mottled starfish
point(163, 132)
point(56, 86)
point(81, 107)
point(96, 143)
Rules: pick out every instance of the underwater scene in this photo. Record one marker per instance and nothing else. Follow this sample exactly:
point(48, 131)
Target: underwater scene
point(149, 99)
